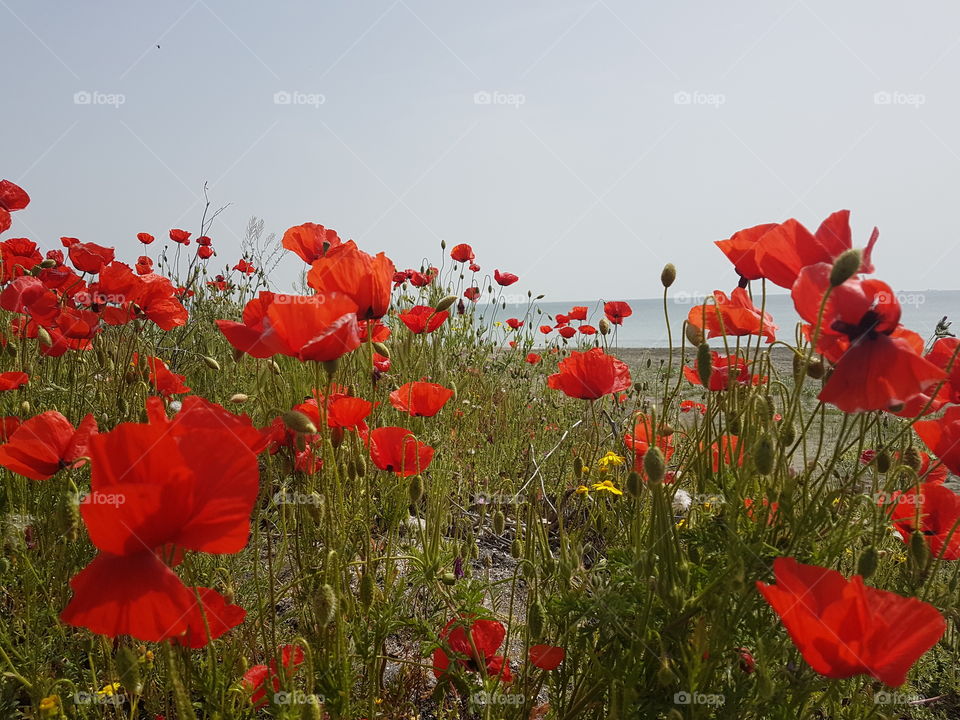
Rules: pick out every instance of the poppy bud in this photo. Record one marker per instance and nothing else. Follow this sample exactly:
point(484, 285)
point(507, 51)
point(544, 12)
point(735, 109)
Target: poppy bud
point(25, 406)
point(634, 483)
point(443, 244)
point(919, 551)
point(693, 333)
point(845, 267)
point(867, 564)
point(704, 364)
point(48, 263)
point(578, 467)
point(211, 363)
point(128, 669)
point(788, 434)
point(516, 549)
point(604, 326)
point(446, 303)
point(274, 367)
point(668, 275)
point(448, 578)
point(653, 465)
point(382, 349)
point(43, 336)
point(911, 459)
point(366, 589)
point(535, 620)
point(416, 489)
point(298, 422)
point(238, 398)
point(326, 605)
point(883, 461)
point(816, 369)
point(499, 522)
point(763, 455)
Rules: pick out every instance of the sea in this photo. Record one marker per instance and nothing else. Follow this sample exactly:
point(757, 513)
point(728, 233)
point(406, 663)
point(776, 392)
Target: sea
point(646, 327)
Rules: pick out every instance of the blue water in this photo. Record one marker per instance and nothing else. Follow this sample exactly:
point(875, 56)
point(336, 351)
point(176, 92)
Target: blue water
point(922, 310)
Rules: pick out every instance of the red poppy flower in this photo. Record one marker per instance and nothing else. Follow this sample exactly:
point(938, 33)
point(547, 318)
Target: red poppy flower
point(12, 196)
point(546, 657)
point(567, 332)
point(689, 406)
point(590, 375)
point(474, 268)
point(251, 335)
point(732, 451)
point(45, 444)
point(258, 677)
point(735, 316)
point(514, 323)
point(579, 312)
point(204, 241)
point(943, 355)
point(423, 319)
point(19, 256)
point(310, 241)
point(245, 267)
point(29, 296)
point(462, 253)
point(845, 628)
point(861, 333)
point(725, 371)
point(204, 252)
point(532, 358)
point(313, 327)
point(165, 381)
point(476, 652)
point(932, 510)
point(90, 257)
point(942, 437)
point(562, 319)
point(348, 412)
point(420, 399)
point(587, 330)
point(145, 238)
point(381, 333)
point(779, 252)
point(366, 279)
point(197, 413)
point(616, 311)
point(643, 436)
point(769, 510)
point(381, 363)
point(504, 279)
point(546, 329)
point(210, 618)
point(180, 236)
point(472, 293)
point(397, 450)
point(13, 380)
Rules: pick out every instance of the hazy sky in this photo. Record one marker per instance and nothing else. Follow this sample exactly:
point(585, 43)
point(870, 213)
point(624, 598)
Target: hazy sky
point(578, 143)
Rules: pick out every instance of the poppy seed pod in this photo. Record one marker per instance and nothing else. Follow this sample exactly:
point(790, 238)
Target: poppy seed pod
point(653, 465)
point(446, 303)
point(867, 564)
point(704, 364)
point(211, 363)
point(298, 422)
point(668, 275)
point(845, 267)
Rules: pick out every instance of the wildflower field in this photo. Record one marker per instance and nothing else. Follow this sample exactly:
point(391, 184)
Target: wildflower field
point(375, 497)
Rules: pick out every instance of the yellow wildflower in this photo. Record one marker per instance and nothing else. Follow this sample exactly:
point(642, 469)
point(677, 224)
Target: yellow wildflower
point(607, 486)
point(582, 490)
point(50, 706)
point(109, 690)
point(611, 459)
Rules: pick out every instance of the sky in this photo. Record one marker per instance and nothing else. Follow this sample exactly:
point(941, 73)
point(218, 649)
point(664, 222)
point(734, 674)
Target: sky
point(580, 144)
